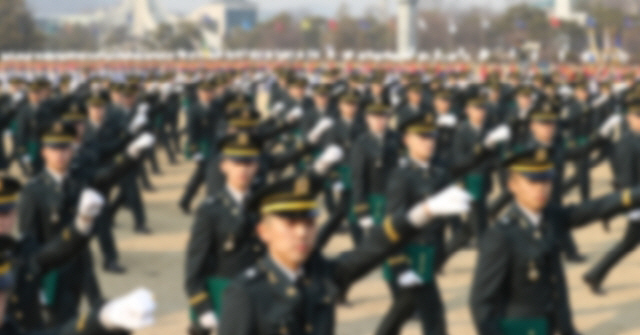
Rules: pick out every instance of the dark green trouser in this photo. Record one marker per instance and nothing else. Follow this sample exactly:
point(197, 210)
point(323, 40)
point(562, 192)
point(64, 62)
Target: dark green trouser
point(525, 326)
point(215, 288)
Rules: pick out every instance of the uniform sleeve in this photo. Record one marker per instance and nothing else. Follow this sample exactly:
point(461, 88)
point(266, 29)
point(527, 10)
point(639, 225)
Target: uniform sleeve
point(29, 216)
point(602, 208)
point(488, 291)
point(192, 131)
point(61, 249)
point(198, 255)
point(563, 316)
point(380, 243)
point(239, 316)
point(359, 171)
point(625, 161)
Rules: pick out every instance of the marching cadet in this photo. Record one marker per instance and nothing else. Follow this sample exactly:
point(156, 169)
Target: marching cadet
point(46, 203)
point(518, 115)
point(580, 124)
point(446, 120)
point(344, 132)
point(105, 136)
point(129, 195)
point(519, 284)
point(21, 266)
point(33, 118)
point(411, 273)
point(477, 182)
point(627, 174)
point(200, 125)
point(293, 289)
point(223, 241)
point(321, 107)
point(415, 104)
point(374, 155)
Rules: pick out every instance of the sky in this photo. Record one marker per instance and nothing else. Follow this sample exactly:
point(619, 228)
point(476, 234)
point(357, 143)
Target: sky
point(267, 8)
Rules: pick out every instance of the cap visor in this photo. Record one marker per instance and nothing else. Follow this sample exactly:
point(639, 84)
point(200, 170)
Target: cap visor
point(539, 176)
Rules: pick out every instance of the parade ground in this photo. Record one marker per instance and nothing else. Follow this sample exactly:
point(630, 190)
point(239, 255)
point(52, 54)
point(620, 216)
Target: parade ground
point(157, 262)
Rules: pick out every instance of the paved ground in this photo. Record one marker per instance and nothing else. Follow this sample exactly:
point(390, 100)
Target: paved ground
point(156, 261)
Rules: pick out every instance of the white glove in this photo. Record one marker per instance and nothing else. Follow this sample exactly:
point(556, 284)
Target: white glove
point(26, 159)
point(142, 142)
point(143, 108)
point(139, 120)
point(409, 278)
point(451, 201)
point(499, 134)
point(208, 320)
point(365, 222)
point(609, 125)
point(320, 128)
point(331, 155)
point(634, 215)
point(198, 157)
point(277, 108)
point(16, 97)
point(337, 187)
point(91, 203)
point(131, 312)
point(447, 120)
point(294, 114)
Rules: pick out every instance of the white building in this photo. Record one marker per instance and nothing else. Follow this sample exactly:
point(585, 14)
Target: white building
point(220, 17)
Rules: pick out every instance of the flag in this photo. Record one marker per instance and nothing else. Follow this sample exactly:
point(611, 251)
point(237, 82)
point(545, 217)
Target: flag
point(333, 25)
point(247, 25)
point(591, 22)
point(278, 26)
point(305, 25)
point(555, 22)
point(364, 25)
point(618, 40)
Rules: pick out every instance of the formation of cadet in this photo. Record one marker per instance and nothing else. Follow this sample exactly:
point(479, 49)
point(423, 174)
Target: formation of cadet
point(415, 164)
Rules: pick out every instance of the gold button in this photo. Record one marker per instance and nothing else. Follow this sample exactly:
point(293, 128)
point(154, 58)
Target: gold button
point(14, 299)
point(308, 328)
point(18, 315)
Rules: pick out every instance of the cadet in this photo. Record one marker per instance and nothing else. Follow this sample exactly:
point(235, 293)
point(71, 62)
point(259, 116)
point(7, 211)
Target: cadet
point(411, 273)
point(580, 124)
point(373, 157)
point(200, 126)
point(21, 267)
point(293, 289)
point(46, 204)
point(519, 284)
point(415, 104)
point(222, 239)
point(627, 174)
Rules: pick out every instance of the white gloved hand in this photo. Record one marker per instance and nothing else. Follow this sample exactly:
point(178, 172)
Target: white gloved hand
point(294, 114)
point(91, 203)
point(409, 278)
point(143, 108)
point(609, 125)
point(320, 128)
point(365, 222)
point(130, 312)
point(208, 320)
point(451, 201)
point(16, 97)
point(331, 155)
point(198, 157)
point(497, 135)
point(139, 121)
point(447, 121)
point(26, 159)
point(277, 108)
point(634, 216)
point(337, 187)
point(142, 142)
